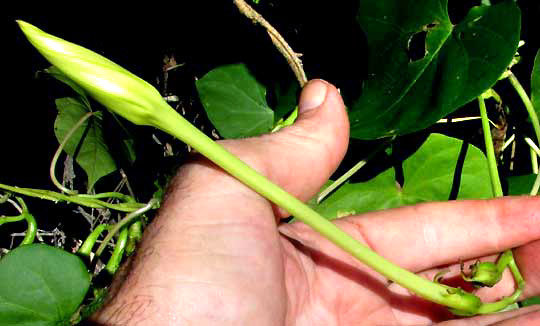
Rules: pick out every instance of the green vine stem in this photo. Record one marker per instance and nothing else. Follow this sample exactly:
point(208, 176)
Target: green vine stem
point(118, 252)
point(534, 149)
point(535, 152)
point(88, 244)
point(497, 191)
point(534, 119)
point(124, 222)
point(59, 151)
point(351, 171)
point(527, 102)
point(135, 235)
point(534, 160)
point(31, 230)
point(83, 200)
point(508, 142)
point(536, 186)
point(11, 219)
point(139, 102)
point(490, 152)
point(112, 194)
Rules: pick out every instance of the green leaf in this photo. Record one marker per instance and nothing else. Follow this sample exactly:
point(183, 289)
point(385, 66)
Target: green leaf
point(403, 93)
point(128, 149)
point(87, 145)
point(235, 102)
point(41, 285)
point(530, 301)
point(286, 98)
point(535, 84)
point(428, 175)
point(521, 184)
point(57, 74)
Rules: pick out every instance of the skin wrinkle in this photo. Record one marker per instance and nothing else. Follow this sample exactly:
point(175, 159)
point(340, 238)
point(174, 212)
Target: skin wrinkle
point(313, 260)
point(130, 278)
point(302, 260)
point(195, 226)
point(133, 312)
point(323, 149)
point(220, 187)
point(292, 262)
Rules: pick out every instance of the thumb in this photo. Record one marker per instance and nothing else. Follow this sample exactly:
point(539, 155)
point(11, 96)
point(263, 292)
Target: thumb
point(301, 157)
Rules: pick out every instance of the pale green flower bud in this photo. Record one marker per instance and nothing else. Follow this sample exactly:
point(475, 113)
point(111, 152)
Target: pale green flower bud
point(113, 86)
point(484, 274)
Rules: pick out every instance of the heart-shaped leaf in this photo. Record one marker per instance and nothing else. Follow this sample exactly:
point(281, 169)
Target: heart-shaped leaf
point(87, 143)
point(422, 67)
point(535, 84)
point(235, 102)
point(58, 75)
point(286, 98)
point(520, 184)
point(530, 301)
point(428, 174)
point(41, 285)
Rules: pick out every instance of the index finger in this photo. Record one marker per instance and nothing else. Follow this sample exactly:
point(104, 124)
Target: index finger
point(429, 235)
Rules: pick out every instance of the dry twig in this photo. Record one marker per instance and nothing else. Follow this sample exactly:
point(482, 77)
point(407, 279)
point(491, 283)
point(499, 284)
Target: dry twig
point(292, 57)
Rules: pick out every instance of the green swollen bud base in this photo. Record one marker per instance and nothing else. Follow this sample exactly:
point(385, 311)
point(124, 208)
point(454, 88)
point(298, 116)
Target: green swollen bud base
point(483, 274)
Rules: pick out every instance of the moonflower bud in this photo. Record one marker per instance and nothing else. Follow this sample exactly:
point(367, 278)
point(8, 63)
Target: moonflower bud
point(484, 274)
point(113, 86)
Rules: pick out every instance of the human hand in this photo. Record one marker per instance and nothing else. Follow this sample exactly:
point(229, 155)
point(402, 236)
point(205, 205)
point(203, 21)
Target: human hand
point(216, 254)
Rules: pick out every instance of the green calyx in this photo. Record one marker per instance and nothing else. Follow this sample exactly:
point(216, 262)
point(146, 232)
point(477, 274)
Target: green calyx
point(483, 274)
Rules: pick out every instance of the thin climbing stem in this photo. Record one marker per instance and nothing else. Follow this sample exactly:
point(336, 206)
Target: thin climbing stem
point(490, 152)
point(534, 160)
point(77, 199)
point(59, 151)
point(118, 252)
point(527, 102)
point(31, 229)
point(532, 146)
point(88, 244)
point(497, 191)
point(508, 142)
point(125, 221)
point(349, 173)
point(536, 185)
point(14, 204)
point(534, 152)
point(112, 194)
point(293, 58)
